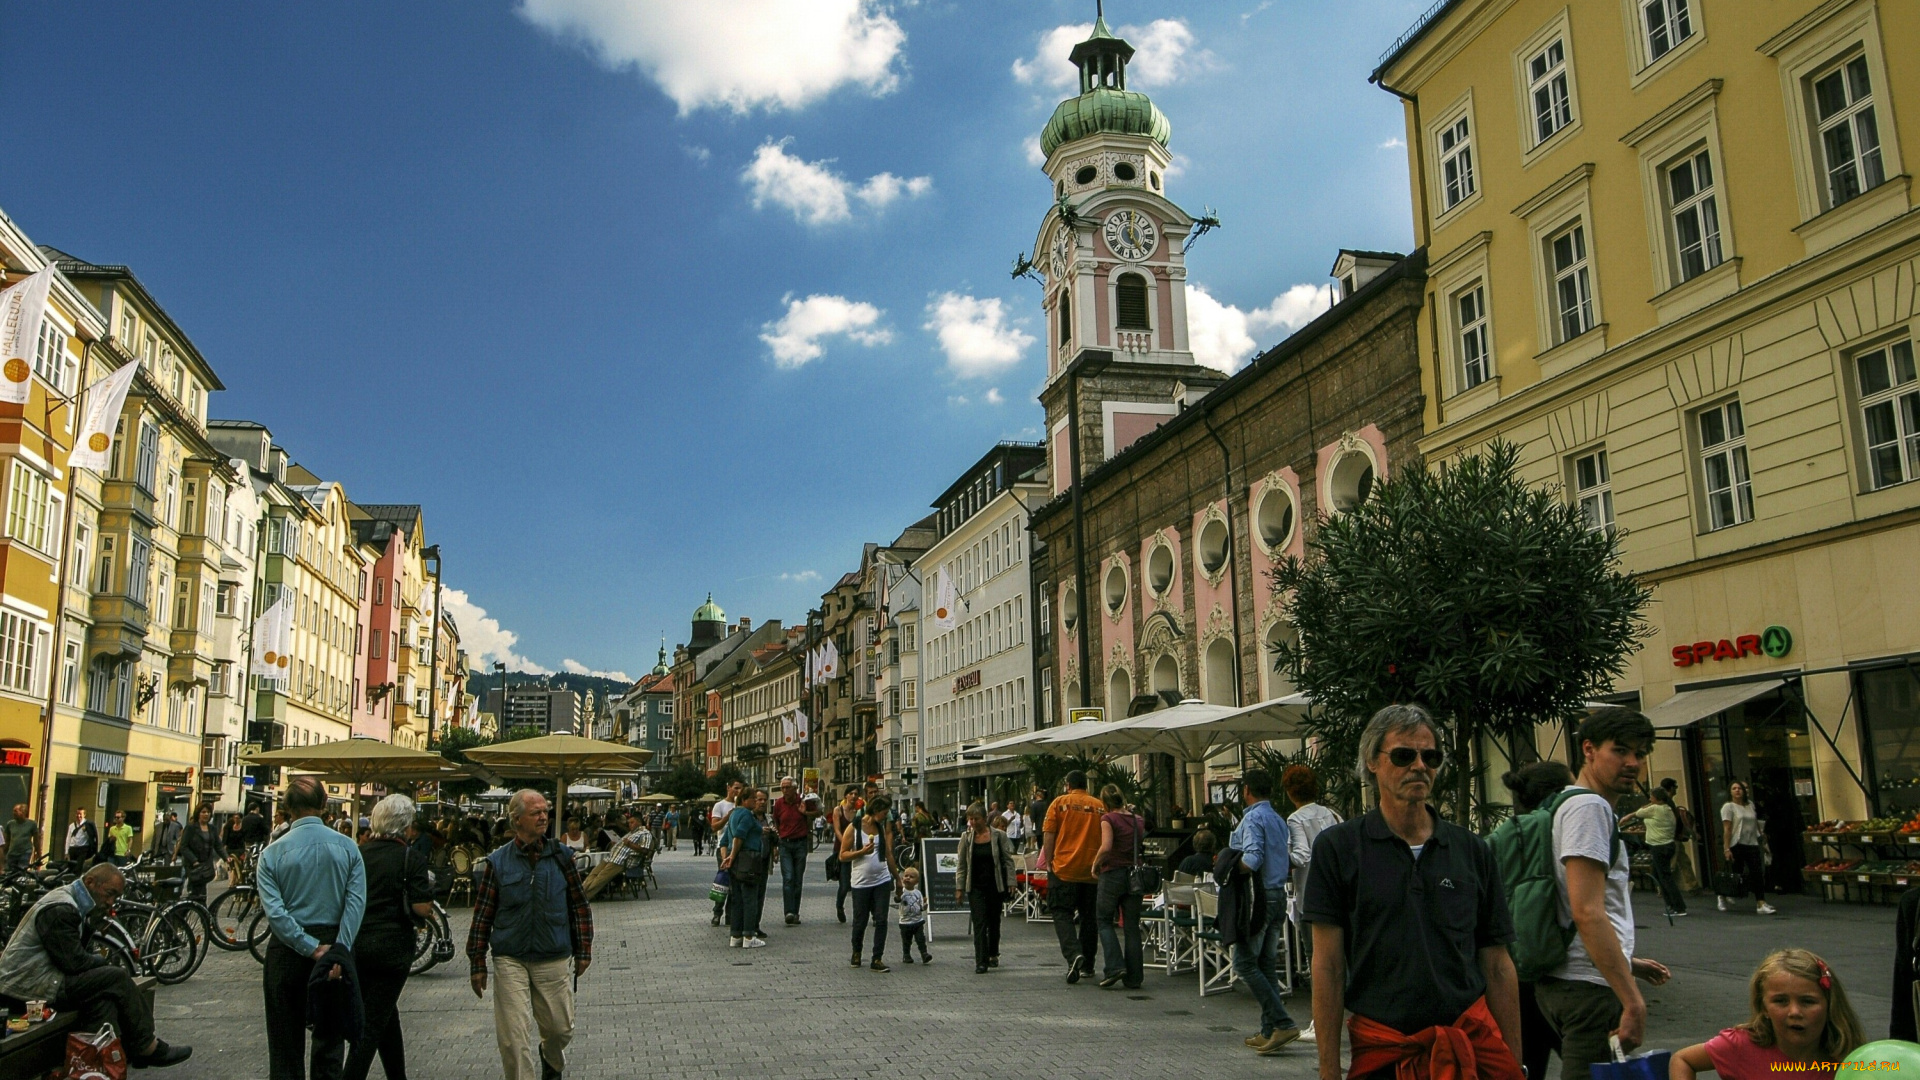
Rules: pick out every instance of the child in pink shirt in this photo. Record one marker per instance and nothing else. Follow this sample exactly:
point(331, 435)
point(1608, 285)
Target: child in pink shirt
point(1800, 1014)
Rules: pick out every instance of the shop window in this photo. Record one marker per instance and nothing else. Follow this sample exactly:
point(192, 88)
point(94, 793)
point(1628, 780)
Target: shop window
point(1890, 703)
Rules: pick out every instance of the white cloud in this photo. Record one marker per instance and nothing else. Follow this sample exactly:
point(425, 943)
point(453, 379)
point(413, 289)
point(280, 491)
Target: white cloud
point(1394, 143)
point(801, 577)
point(815, 193)
point(1035, 156)
point(976, 334)
point(578, 668)
point(1164, 54)
point(486, 641)
point(734, 54)
point(993, 396)
point(699, 154)
point(795, 337)
point(1222, 336)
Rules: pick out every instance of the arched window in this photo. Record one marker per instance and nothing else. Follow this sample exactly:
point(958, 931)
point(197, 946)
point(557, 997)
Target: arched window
point(1130, 302)
point(1064, 312)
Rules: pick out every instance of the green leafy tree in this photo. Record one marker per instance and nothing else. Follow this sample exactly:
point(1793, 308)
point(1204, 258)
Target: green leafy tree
point(453, 745)
point(1467, 590)
point(684, 781)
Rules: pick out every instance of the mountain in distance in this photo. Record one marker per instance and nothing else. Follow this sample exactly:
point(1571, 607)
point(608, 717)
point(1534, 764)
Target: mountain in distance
point(481, 683)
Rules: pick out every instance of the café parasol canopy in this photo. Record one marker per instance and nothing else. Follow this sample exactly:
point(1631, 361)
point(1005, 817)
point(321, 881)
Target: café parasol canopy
point(362, 761)
point(562, 759)
point(660, 797)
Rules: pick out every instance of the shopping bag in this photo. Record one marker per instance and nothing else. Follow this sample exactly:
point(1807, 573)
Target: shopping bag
point(722, 884)
point(95, 1054)
point(1645, 1065)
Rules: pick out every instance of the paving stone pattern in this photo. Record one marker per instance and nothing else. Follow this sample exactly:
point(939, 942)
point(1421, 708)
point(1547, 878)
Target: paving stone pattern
point(666, 998)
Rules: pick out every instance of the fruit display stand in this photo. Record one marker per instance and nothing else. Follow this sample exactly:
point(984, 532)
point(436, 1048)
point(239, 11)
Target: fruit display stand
point(1869, 861)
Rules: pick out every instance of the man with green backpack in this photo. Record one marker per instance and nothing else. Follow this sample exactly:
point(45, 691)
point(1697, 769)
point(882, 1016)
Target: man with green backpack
point(1566, 873)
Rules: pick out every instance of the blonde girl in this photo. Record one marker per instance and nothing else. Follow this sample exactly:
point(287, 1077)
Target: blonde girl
point(1800, 1014)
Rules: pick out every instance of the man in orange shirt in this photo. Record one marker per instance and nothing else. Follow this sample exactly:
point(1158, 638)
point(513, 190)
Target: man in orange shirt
point(1072, 841)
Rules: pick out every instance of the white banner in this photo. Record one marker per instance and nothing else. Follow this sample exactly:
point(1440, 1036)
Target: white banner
point(800, 725)
point(786, 731)
point(829, 661)
point(946, 605)
point(21, 309)
point(93, 447)
point(273, 639)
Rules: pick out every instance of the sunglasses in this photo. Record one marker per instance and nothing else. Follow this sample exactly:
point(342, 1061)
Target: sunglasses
point(1403, 756)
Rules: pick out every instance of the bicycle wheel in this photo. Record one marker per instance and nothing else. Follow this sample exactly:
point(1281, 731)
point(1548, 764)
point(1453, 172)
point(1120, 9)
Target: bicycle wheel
point(172, 948)
point(105, 946)
point(433, 931)
point(257, 934)
point(232, 912)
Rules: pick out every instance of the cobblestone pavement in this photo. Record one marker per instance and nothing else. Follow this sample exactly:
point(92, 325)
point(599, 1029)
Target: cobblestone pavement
point(666, 998)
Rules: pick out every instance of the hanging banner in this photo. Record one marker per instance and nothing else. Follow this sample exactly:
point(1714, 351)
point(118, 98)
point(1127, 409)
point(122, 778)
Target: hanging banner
point(799, 725)
point(273, 640)
point(93, 447)
point(946, 605)
point(21, 309)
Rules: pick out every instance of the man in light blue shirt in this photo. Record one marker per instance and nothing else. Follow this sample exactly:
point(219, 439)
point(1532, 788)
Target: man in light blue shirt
point(313, 887)
point(1261, 840)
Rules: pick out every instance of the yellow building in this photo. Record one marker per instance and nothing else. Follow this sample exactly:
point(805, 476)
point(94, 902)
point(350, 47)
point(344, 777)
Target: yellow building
point(1671, 254)
point(313, 556)
point(35, 438)
point(144, 572)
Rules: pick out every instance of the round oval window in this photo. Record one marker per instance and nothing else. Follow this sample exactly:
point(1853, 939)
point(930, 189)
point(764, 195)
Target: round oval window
point(1213, 545)
point(1160, 569)
point(1352, 481)
point(1156, 181)
point(1124, 171)
point(1116, 588)
point(1275, 518)
point(1085, 175)
point(1070, 608)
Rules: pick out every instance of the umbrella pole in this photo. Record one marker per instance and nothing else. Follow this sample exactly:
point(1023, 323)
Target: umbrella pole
point(559, 806)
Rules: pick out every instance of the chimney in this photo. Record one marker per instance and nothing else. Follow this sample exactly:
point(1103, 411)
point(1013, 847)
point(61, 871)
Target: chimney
point(746, 624)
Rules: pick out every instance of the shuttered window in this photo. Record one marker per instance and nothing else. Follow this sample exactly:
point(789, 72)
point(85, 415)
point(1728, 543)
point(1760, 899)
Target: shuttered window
point(1130, 302)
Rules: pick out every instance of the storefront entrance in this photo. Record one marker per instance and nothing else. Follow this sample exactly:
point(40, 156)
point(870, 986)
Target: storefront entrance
point(1763, 742)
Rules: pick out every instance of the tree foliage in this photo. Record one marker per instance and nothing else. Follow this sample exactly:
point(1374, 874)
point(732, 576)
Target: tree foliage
point(1467, 590)
point(453, 744)
point(684, 781)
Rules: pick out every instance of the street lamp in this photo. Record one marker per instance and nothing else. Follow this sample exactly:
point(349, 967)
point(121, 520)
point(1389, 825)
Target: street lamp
point(432, 552)
point(500, 669)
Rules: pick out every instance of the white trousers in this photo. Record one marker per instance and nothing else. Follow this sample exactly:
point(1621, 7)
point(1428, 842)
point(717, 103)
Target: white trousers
point(529, 994)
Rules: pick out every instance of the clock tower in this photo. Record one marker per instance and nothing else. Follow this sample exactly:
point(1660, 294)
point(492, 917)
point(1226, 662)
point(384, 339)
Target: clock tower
point(1112, 251)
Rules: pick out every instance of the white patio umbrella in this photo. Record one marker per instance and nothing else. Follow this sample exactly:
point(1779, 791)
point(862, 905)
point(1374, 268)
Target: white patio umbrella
point(1063, 741)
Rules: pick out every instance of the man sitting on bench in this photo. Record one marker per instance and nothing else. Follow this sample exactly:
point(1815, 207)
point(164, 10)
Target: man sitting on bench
point(48, 959)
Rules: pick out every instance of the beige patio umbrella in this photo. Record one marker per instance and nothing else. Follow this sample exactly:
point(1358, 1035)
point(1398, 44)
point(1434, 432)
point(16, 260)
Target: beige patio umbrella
point(660, 797)
point(361, 761)
point(562, 759)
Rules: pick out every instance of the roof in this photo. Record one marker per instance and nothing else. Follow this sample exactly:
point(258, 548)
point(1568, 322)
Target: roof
point(1411, 266)
point(1021, 456)
point(77, 268)
point(1410, 37)
point(1105, 110)
point(1388, 257)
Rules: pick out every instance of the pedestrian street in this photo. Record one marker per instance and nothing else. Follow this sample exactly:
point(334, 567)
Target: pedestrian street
point(666, 998)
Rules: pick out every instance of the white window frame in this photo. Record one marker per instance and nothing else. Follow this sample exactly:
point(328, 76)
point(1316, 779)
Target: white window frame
point(1466, 152)
point(1701, 206)
point(1681, 132)
point(1735, 482)
point(1810, 47)
point(29, 500)
point(1679, 20)
point(1473, 334)
point(23, 642)
point(1900, 400)
point(1458, 182)
point(1590, 479)
point(1855, 116)
point(1571, 243)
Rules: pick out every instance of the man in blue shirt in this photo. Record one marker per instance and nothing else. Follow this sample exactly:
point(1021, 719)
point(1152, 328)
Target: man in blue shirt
point(313, 887)
point(1261, 840)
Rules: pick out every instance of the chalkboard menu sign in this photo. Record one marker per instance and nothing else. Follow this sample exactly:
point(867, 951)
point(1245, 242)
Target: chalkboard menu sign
point(940, 870)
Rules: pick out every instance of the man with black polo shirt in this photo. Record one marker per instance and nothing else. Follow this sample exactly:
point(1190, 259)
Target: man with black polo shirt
point(1410, 924)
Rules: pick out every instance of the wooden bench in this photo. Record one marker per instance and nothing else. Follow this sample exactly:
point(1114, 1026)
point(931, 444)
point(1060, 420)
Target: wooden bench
point(42, 1048)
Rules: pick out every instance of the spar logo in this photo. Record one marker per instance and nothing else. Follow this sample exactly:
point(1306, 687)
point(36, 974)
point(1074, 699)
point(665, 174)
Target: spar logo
point(1774, 641)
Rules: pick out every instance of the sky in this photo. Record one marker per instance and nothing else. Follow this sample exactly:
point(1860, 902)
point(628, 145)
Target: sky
point(642, 299)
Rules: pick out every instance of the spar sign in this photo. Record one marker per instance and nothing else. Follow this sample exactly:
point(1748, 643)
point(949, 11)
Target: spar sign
point(1774, 641)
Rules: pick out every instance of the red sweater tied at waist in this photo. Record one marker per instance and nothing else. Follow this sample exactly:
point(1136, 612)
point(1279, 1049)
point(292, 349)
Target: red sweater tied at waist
point(1471, 1048)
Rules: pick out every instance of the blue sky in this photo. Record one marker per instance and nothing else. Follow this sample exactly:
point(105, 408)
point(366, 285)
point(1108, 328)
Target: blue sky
point(646, 298)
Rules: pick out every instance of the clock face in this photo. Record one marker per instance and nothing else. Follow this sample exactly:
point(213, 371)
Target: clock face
point(1131, 234)
point(1062, 252)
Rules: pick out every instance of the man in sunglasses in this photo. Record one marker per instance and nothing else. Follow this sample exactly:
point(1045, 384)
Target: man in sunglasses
point(1410, 924)
point(1593, 994)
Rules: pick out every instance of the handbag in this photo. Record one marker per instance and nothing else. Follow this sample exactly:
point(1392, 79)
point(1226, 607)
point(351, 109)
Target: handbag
point(95, 1054)
point(722, 885)
point(1645, 1065)
point(1142, 879)
point(750, 865)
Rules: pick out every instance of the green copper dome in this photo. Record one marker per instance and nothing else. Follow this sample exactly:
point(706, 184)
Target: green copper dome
point(709, 612)
point(1105, 111)
point(661, 668)
point(1105, 105)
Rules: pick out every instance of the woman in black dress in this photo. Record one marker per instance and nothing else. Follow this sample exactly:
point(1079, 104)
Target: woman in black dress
point(985, 878)
point(398, 893)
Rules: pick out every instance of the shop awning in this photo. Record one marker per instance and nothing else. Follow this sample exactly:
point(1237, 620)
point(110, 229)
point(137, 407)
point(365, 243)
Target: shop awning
point(1691, 706)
